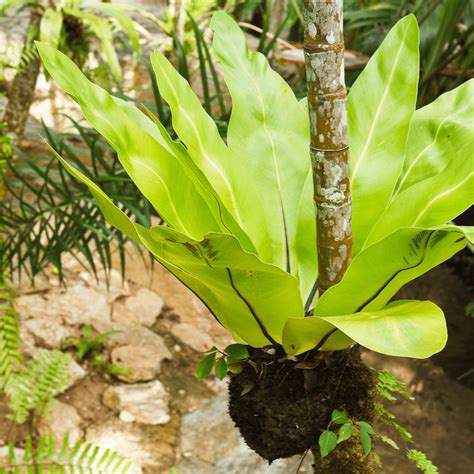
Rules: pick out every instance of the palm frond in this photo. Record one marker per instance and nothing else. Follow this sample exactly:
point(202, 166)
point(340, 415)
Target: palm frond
point(47, 215)
point(447, 37)
point(83, 458)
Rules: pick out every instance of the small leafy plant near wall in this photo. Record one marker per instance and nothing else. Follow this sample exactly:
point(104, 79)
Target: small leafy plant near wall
point(240, 223)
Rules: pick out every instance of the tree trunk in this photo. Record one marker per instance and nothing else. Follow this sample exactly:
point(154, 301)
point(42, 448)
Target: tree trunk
point(327, 104)
point(22, 89)
point(329, 149)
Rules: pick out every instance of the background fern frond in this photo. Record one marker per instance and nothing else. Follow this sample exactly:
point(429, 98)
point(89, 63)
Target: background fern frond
point(83, 458)
point(421, 461)
point(10, 356)
point(29, 54)
point(34, 388)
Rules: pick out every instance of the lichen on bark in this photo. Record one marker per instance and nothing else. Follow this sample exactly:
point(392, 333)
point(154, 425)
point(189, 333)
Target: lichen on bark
point(327, 104)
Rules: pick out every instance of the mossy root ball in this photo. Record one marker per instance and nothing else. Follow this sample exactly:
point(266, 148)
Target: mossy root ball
point(281, 409)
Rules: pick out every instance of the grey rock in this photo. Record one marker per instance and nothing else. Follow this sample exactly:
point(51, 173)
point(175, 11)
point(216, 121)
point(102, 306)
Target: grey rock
point(83, 305)
point(142, 363)
point(77, 374)
point(147, 402)
point(60, 420)
point(145, 306)
point(192, 336)
point(49, 332)
point(116, 285)
point(209, 442)
point(136, 336)
point(32, 306)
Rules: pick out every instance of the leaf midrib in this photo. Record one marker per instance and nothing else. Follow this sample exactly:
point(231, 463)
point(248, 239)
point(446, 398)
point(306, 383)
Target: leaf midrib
point(203, 152)
point(363, 154)
point(274, 159)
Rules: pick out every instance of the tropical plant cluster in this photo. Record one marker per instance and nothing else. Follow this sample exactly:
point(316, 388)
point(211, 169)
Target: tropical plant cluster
point(254, 265)
point(218, 189)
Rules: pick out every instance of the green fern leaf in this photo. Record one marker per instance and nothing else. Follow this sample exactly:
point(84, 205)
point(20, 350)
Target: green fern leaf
point(82, 458)
point(10, 357)
point(34, 388)
point(421, 461)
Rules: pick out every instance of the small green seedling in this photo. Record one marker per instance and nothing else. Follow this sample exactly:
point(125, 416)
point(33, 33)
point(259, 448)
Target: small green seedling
point(87, 345)
point(329, 439)
point(341, 427)
point(230, 360)
point(89, 348)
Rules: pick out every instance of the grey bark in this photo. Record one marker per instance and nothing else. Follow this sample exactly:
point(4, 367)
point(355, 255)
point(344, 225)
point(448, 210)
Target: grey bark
point(329, 149)
point(21, 92)
point(327, 104)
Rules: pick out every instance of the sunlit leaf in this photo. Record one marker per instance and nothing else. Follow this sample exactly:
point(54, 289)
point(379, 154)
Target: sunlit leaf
point(380, 105)
point(50, 26)
point(378, 272)
point(440, 133)
point(159, 167)
point(403, 328)
point(251, 299)
point(269, 133)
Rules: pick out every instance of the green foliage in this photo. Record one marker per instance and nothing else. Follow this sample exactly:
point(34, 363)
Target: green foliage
point(195, 11)
point(388, 418)
point(447, 39)
point(328, 439)
point(73, 26)
point(10, 355)
point(33, 388)
point(251, 10)
point(377, 144)
point(365, 434)
point(470, 309)
point(30, 387)
point(247, 249)
point(339, 417)
point(89, 348)
point(205, 365)
point(87, 345)
point(421, 461)
point(327, 442)
point(388, 386)
point(48, 215)
point(29, 53)
point(345, 432)
point(85, 458)
point(230, 359)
